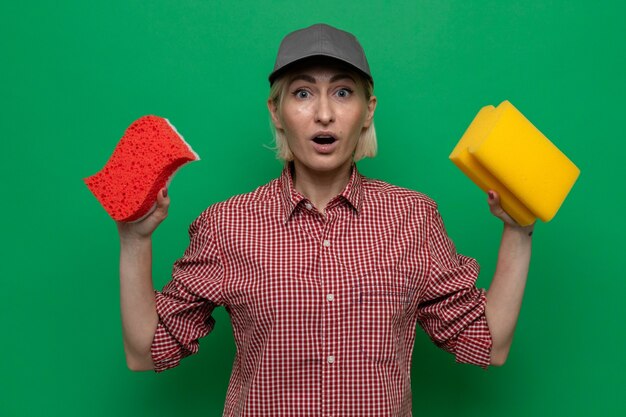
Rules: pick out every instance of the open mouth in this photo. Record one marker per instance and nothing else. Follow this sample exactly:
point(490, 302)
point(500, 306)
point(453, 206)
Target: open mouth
point(324, 140)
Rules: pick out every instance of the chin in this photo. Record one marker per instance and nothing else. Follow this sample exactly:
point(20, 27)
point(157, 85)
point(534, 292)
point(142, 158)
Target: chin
point(319, 163)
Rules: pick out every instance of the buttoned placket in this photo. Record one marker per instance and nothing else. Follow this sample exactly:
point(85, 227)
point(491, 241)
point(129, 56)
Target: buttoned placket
point(330, 320)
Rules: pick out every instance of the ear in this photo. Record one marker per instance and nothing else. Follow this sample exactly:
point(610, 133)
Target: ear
point(274, 114)
point(371, 108)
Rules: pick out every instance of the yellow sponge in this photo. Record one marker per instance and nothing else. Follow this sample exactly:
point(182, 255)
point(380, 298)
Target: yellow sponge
point(502, 151)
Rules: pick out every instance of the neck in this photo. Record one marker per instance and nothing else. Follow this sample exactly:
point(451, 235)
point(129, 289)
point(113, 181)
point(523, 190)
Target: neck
point(320, 187)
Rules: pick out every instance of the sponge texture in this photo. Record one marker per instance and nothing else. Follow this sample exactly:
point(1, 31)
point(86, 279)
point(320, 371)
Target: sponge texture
point(143, 162)
point(503, 151)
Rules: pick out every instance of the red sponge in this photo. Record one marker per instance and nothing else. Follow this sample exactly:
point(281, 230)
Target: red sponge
point(143, 162)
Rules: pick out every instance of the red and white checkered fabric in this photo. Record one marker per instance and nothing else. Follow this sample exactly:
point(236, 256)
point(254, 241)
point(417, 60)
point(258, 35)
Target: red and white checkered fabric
point(324, 307)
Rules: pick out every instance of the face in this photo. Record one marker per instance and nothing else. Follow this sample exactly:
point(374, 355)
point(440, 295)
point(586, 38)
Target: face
point(322, 115)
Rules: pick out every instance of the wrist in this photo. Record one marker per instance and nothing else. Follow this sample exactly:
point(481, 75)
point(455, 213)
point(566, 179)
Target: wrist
point(526, 231)
point(133, 239)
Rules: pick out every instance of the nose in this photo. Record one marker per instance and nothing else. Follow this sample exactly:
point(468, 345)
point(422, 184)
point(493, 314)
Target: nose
point(324, 112)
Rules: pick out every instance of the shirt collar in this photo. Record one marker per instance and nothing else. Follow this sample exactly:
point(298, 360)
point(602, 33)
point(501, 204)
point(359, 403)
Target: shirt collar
point(291, 198)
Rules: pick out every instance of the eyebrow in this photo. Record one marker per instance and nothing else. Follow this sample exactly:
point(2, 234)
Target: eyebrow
point(336, 77)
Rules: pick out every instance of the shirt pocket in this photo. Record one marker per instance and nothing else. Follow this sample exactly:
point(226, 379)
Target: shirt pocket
point(383, 316)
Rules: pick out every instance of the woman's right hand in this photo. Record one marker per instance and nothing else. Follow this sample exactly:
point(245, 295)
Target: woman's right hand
point(144, 228)
point(137, 298)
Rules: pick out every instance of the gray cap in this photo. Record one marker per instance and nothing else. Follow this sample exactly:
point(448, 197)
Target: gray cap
point(320, 40)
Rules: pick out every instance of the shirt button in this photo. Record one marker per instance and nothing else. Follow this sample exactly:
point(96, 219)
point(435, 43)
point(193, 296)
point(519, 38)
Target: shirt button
point(308, 206)
point(326, 243)
point(331, 359)
point(330, 297)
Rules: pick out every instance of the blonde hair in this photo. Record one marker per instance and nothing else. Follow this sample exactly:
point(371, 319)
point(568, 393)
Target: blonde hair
point(367, 145)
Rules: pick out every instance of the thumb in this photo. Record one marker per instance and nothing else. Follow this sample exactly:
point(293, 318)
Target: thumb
point(163, 203)
point(494, 204)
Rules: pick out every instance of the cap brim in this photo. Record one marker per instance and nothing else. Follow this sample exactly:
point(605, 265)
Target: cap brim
point(277, 73)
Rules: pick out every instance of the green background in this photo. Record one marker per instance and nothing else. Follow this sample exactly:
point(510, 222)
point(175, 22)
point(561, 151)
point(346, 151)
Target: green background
point(75, 74)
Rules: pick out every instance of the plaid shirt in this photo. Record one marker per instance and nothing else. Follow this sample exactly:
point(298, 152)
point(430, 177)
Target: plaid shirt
point(324, 307)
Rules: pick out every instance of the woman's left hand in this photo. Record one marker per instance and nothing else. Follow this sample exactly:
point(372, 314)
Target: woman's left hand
point(504, 298)
point(496, 209)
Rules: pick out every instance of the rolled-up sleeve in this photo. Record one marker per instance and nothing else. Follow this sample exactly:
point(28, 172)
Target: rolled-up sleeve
point(186, 303)
point(452, 309)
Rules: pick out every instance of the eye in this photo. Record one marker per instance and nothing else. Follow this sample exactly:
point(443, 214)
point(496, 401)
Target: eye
point(344, 92)
point(301, 93)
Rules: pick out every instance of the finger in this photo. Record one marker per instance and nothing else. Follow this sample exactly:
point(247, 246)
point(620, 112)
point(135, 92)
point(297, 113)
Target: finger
point(493, 200)
point(162, 198)
point(163, 202)
point(495, 206)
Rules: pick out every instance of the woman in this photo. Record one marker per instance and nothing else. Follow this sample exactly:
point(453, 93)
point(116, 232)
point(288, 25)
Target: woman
point(325, 273)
